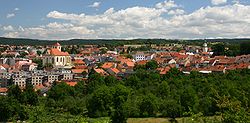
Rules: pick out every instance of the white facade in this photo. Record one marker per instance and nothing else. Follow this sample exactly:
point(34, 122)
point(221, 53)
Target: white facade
point(57, 58)
point(139, 56)
point(205, 48)
point(36, 80)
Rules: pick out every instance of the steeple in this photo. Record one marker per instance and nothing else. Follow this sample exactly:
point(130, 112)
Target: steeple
point(205, 48)
point(57, 46)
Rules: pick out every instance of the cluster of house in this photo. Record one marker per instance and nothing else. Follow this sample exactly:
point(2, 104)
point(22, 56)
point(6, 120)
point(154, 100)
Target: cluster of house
point(71, 68)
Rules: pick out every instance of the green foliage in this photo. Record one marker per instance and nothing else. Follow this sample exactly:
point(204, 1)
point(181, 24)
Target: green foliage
point(11, 110)
point(149, 105)
point(39, 63)
point(100, 102)
point(143, 94)
point(151, 65)
point(245, 48)
point(219, 49)
point(15, 92)
point(120, 96)
point(61, 91)
point(29, 96)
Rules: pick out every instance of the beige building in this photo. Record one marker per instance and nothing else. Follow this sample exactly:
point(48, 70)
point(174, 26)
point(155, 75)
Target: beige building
point(56, 57)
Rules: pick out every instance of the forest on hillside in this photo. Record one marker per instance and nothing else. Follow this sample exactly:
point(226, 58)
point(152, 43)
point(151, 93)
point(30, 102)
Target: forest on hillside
point(116, 42)
point(143, 94)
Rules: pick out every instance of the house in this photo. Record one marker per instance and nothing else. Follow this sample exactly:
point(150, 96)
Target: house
point(29, 67)
point(101, 71)
point(56, 57)
point(3, 91)
point(108, 65)
point(78, 73)
point(78, 62)
point(113, 71)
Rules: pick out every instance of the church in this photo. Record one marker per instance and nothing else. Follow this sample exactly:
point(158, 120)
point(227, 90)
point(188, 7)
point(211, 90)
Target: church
point(56, 57)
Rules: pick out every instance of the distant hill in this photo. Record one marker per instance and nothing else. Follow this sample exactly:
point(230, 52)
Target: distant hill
point(23, 41)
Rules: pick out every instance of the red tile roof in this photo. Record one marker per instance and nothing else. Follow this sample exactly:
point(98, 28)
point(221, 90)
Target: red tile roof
point(130, 64)
point(115, 70)
point(142, 62)
point(71, 83)
point(56, 52)
point(3, 90)
point(100, 71)
point(78, 61)
point(78, 70)
point(81, 67)
point(107, 65)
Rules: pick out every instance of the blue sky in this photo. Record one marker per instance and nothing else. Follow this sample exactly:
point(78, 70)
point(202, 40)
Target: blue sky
point(49, 19)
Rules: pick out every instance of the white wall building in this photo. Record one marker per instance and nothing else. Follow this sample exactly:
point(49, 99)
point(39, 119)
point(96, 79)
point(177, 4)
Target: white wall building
point(56, 57)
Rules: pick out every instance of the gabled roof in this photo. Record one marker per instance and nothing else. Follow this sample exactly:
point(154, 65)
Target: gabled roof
point(130, 64)
point(56, 52)
point(142, 62)
point(115, 70)
point(100, 71)
point(107, 65)
point(78, 61)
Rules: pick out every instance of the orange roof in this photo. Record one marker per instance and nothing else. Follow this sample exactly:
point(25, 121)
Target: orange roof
point(78, 61)
point(100, 71)
point(71, 83)
point(38, 87)
point(142, 62)
point(81, 67)
point(77, 70)
point(130, 64)
point(56, 52)
point(115, 70)
point(107, 65)
point(3, 90)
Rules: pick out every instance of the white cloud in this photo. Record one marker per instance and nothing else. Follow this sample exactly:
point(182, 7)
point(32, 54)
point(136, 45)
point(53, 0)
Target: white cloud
point(227, 21)
point(176, 12)
point(10, 15)
point(95, 5)
point(8, 28)
point(16, 9)
point(168, 4)
point(218, 2)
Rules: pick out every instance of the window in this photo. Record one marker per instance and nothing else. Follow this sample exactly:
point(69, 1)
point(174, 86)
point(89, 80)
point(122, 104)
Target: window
point(57, 59)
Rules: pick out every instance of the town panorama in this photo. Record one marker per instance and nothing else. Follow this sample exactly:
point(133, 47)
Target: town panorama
point(130, 61)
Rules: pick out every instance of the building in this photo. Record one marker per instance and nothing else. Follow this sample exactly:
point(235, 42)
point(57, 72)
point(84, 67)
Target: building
point(56, 57)
point(205, 48)
point(139, 56)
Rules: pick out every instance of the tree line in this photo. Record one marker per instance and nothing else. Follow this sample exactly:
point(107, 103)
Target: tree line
point(143, 94)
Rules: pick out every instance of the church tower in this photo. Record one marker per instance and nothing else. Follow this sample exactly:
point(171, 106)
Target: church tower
point(205, 48)
point(57, 46)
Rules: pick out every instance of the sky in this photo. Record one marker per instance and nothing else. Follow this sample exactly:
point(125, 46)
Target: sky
point(124, 19)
